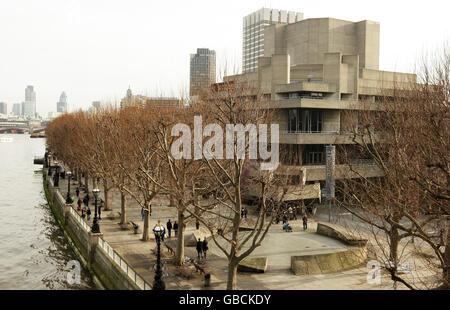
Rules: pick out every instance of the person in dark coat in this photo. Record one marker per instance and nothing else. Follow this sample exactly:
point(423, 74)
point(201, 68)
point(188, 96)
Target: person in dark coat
point(88, 213)
point(79, 204)
point(175, 228)
point(199, 248)
point(197, 224)
point(77, 192)
point(85, 201)
point(205, 247)
point(305, 221)
point(169, 227)
point(99, 212)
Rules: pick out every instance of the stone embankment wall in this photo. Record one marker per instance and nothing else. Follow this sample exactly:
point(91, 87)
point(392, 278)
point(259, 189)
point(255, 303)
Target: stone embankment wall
point(107, 268)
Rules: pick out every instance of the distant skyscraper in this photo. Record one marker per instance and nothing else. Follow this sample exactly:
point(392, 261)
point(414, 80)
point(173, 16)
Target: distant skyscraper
point(29, 106)
point(61, 105)
point(203, 70)
point(3, 108)
point(253, 33)
point(17, 109)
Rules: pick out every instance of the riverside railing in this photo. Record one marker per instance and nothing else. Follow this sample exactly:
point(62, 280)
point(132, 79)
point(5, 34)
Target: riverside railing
point(131, 273)
point(107, 249)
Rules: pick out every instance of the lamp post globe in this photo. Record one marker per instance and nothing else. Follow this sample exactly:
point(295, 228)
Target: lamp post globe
point(68, 198)
point(95, 226)
point(158, 283)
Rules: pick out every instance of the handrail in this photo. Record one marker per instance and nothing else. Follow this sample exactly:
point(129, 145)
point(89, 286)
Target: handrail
point(118, 260)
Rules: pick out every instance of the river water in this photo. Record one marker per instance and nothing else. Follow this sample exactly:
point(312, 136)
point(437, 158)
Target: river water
point(34, 253)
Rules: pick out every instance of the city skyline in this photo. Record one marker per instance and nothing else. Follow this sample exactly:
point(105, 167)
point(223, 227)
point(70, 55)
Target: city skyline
point(92, 56)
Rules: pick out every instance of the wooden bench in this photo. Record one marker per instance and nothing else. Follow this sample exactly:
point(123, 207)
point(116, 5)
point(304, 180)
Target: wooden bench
point(200, 269)
point(169, 249)
point(135, 226)
point(185, 272)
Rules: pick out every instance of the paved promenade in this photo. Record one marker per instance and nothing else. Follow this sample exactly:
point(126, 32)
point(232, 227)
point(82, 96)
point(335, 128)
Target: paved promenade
point(278, 247)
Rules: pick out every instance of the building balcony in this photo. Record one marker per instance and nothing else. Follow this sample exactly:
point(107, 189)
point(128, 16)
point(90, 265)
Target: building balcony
point(299, 86)
point(323, 137)
point(317, 172)
point(329, 104)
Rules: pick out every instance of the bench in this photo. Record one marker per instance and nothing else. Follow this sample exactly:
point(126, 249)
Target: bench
point(169, 249)
point(199, 268)
point(185, 272)
point(135, 227)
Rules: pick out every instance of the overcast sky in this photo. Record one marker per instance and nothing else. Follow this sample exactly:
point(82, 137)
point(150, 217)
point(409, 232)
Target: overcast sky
point(94, 49)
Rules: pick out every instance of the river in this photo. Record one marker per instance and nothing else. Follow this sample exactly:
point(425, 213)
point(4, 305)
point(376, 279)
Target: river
point(34, 253)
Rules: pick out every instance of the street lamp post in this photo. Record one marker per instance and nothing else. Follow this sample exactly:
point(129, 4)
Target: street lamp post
point(158, 283)
point(95, 226)
point(68, 199)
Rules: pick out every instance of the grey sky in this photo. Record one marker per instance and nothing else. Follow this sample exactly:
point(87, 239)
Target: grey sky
point(94, 49)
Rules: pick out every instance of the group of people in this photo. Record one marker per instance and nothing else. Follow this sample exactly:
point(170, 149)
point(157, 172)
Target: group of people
point(202, 248)
point(287, 227)
point(171, 226)
point(85, 210)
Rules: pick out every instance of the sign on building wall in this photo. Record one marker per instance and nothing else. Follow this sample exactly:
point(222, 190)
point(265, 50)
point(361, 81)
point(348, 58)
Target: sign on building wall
point(330, 154)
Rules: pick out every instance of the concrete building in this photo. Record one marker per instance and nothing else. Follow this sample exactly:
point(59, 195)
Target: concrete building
point(17, 109)
point(61, 105)
point(29, 105)
point(253, 28)
point(3, 108)
point(202, 70)
point(311, 73)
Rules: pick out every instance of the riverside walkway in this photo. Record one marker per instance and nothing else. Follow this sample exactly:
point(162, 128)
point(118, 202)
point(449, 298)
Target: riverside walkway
point(141, 256)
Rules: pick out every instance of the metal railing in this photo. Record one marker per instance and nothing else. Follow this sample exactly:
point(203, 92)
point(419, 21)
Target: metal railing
point(119, 261)
point(116, 258)
point(309, 132)
point(80, 220)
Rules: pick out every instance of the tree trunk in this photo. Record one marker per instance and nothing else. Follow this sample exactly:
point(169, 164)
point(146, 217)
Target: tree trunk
point(446, 269)
point(123, 210)
point(106, 190)
point(86, 182)
point(232, 274)
point(145, 230)
point(179, 260)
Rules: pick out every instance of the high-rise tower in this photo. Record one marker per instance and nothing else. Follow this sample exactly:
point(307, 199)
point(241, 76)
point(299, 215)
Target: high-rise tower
point(253, 33)
point(202, 71)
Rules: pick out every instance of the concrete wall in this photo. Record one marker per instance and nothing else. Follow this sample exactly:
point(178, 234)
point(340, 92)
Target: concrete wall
point(106, 271)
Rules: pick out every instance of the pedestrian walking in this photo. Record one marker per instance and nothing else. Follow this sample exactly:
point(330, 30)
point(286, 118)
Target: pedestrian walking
point(205, 247)
point(83, 213)
point(169, 227)
point(88, 212)
point(77, 191)
point(99, 212)
point(305, 221)
point(86, 200)
point(284, 217)
point(79, 204)
point(175, 228)
point(242, 212)
point(197, 224)
point(199, 248)
point(245, 212)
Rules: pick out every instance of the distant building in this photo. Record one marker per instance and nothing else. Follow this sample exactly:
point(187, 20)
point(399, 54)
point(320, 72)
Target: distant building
point(29, 106)
point(61, 105)
point(202, 70)
point(253, 33)
point(132, 100)
point(96, 104)
point(17, 109)
point(3, 108)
